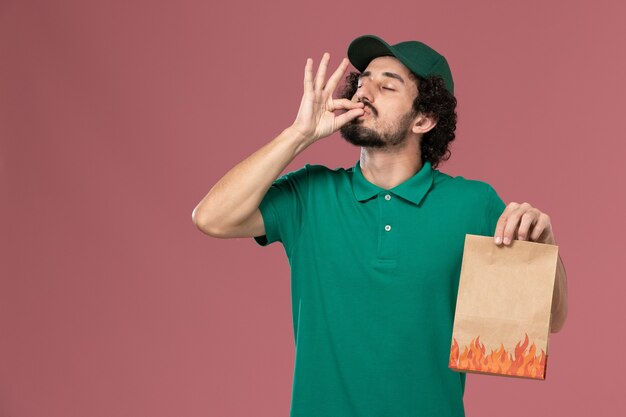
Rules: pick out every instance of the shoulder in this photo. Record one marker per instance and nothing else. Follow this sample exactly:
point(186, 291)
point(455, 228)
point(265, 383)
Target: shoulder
point(461, 186)
point(318, 169)
point(313, 176)
point(320, 173)
point(473, 198)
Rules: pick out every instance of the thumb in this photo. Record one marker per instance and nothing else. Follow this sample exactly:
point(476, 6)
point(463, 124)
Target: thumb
point(346, 117)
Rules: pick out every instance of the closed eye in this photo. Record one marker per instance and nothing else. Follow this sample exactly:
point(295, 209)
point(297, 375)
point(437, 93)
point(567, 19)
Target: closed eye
point(387, 88)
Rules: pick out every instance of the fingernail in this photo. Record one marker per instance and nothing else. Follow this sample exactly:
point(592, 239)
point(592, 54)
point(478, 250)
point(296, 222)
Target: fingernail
point(498, 240)
point(507, 240)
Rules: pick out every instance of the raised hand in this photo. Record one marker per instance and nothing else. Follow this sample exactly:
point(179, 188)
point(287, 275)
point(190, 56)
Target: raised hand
point(316, 118)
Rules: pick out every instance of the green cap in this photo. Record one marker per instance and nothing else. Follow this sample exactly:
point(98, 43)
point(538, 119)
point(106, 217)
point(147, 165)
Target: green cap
point(416, 56)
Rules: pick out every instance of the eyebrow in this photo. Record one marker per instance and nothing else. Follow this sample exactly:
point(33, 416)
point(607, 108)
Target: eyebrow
point(386, 74)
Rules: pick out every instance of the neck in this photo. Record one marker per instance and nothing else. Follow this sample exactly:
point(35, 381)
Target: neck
point(388, 168)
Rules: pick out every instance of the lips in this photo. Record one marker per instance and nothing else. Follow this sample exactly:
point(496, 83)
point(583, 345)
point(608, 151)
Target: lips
point(366, 112)
point(368, 109)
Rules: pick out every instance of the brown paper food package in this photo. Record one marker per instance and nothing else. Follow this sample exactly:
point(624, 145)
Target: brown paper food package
point(502, 320)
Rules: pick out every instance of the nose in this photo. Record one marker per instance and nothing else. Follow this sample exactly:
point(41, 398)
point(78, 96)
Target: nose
point(360, 97)
point(364, 94)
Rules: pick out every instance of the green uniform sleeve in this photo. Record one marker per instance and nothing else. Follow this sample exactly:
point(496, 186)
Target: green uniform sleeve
point(282, 208)
point(495, 207)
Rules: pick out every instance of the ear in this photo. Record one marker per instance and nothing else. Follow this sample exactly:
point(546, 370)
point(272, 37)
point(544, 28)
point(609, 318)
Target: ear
point(423, 124)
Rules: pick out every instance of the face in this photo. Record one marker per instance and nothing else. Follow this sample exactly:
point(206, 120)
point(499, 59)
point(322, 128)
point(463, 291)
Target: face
point(388, 91)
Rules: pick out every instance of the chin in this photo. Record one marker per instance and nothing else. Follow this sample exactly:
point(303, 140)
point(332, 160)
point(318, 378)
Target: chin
point(356, 135)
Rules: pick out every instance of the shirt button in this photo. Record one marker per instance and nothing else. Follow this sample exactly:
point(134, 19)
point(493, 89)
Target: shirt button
point(387, 228)
point(387, 197)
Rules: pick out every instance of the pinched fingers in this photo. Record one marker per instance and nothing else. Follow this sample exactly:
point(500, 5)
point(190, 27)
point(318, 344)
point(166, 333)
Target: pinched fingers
point(354, 110)
point(315, 117)
point(346, 117)
point(345, 104)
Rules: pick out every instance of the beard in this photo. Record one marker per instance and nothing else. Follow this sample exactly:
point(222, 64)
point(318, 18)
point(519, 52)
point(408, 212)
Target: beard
point(355, 133)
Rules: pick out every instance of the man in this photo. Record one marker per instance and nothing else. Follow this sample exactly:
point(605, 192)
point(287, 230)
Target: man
point(375, 250)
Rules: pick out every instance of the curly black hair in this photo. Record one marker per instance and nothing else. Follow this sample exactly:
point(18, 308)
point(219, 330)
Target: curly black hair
point(433, 99)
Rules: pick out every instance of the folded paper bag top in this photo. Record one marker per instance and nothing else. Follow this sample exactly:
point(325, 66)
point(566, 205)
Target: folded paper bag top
point(502, 319)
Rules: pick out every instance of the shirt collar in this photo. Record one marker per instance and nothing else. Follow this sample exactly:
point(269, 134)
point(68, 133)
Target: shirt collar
point(413, 189)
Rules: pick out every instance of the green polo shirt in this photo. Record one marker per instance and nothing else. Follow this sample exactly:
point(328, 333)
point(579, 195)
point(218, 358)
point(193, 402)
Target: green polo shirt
point(374, 280)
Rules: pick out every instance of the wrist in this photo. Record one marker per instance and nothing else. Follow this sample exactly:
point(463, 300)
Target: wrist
point(298, 135)
point(295, 136)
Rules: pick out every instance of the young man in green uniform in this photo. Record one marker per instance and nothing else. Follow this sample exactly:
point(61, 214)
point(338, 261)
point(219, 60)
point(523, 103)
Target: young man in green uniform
point(375, 250)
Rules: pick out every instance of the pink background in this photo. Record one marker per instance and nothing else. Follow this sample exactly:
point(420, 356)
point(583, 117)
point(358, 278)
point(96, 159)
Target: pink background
point(116, 118)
